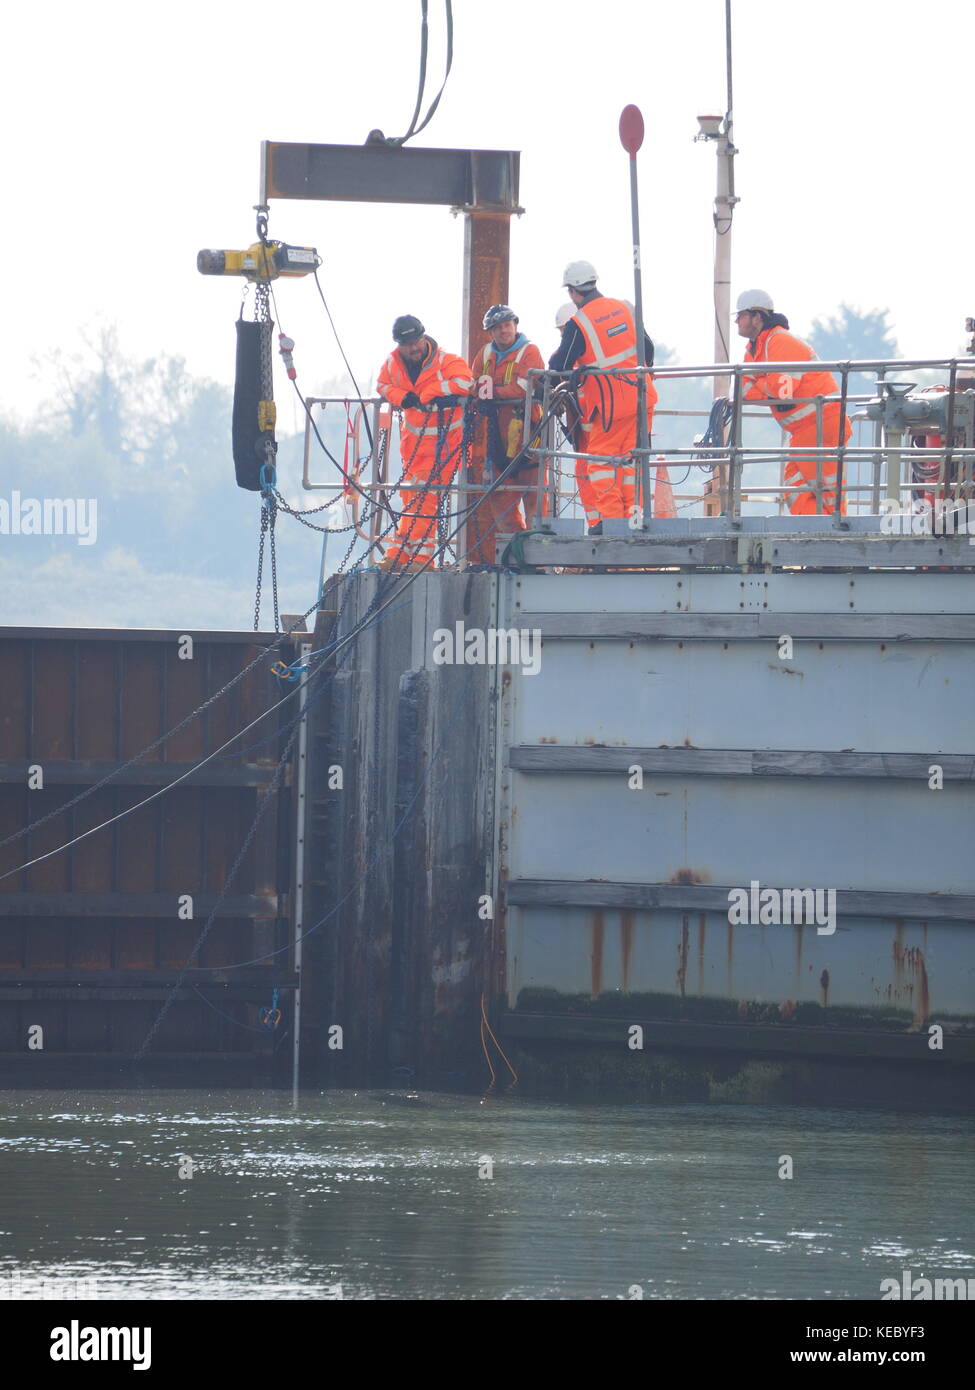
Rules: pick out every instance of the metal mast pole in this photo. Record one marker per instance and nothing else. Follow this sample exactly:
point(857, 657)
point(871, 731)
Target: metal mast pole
point(721, 132)
point(724, 201)
point(631, 138)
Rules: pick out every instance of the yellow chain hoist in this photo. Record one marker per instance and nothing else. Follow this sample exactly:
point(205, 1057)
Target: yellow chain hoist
point(261, 262)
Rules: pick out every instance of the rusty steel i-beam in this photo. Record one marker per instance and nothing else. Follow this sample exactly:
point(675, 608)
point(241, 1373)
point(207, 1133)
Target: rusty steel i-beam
point(483, 184)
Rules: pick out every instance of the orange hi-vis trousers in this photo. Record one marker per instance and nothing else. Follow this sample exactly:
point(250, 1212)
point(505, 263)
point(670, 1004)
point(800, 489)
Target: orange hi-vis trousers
point(799, 470)
point(416, 535)
point(588, 498)
point(612, 487)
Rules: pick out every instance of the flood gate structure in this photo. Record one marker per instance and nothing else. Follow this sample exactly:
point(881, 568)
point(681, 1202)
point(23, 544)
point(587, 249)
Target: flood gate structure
point(576, 829)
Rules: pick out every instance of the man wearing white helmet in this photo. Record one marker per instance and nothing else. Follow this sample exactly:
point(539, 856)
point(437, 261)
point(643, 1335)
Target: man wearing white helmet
point(601, 335)
point(768, 341)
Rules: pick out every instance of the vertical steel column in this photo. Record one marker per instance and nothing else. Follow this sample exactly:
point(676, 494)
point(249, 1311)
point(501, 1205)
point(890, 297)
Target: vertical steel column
point(487, 256)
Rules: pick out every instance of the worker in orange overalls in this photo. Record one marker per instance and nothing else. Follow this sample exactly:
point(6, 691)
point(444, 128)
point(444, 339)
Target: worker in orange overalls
point(768, 341)
point(587, 497)
point(602, 335)
point(500, 372)
point(430, 386)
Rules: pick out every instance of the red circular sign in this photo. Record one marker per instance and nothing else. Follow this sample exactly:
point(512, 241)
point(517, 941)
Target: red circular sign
point(631, 129)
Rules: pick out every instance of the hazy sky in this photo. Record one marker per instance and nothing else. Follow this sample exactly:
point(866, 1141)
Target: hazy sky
point(132, 139)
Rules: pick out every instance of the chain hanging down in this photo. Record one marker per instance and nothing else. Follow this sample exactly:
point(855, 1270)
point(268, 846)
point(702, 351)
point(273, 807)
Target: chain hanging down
point(266, 421)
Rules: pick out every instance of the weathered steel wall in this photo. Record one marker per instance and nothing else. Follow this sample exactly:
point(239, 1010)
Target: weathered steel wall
point(788, 772)
point(91, 940)
point(464, 785)
point(398, 856)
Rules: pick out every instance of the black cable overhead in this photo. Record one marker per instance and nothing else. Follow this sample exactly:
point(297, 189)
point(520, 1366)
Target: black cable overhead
point(398, 140)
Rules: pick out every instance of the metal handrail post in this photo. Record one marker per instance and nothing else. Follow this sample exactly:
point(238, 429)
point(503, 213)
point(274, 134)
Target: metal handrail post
point(893, 447)
point(819, 457)
point(728, 500)
point(377, 457)
point(838, 521)
point(950, 430)
point(878, 463)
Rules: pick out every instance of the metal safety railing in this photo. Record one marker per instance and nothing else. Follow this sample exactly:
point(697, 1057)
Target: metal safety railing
point(912, 443)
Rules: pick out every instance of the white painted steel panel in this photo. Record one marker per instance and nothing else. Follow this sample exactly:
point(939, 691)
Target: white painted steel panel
point(885, 836)
point(789, 832)
point(869, 697)
point(862, 592)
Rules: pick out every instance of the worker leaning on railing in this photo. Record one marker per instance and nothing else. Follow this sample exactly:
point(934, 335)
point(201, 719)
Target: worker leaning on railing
point(431, 387)
point(500, 372)
point(768, 341)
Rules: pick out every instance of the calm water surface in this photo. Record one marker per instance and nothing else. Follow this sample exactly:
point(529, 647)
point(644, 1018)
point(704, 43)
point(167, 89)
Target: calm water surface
point(382, 1195)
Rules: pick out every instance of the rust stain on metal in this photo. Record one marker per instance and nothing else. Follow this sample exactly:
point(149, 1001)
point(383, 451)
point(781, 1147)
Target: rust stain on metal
point(898, 957)
point(598, 930)
point(682, 956)
point(912, 958)
point(626, 947)
point(701, 936)
point(685, 875)
point(824, 987)
point(924, 1000)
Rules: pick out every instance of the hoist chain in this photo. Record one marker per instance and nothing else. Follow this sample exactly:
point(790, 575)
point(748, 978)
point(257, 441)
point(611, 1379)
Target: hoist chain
point(262, 316)
point(260, 568)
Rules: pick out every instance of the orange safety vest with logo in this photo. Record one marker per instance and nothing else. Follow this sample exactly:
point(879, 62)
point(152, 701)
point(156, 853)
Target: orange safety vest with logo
point(609, 330)
point(510, 382)
point(777, 345)
point(442, 374)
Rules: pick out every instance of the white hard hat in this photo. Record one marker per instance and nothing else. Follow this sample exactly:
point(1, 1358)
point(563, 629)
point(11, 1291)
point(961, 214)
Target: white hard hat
point(755, 299)
point(580, 273)
point(564, 314)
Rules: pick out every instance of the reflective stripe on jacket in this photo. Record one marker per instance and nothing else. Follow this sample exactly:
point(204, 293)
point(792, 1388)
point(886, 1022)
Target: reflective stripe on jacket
point(777, 345)
point(609, 330)
point(510, 383)
point(441, 374)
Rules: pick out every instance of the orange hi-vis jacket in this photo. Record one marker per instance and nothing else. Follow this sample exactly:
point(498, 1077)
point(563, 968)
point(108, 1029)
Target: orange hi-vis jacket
point(778, 345)
point(441, 374)
point(609, 329)
point(509, 380)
